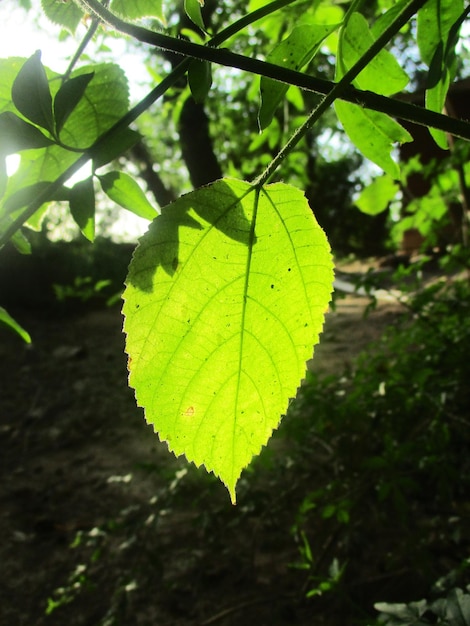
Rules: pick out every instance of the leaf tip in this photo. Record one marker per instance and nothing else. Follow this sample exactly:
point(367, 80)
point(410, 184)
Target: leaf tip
point(233, 495)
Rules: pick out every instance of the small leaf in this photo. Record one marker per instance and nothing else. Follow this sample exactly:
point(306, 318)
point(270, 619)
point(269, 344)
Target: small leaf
point(21, 243)
point(438, 26)
point(26, 195)
point(68, 97)
point(436, 96)
point(36, 220)
point(17, 135)
point(200, 79)
point(6, 318)
point(294, 52)
point(106, 101)
point(193, 11)
point(386, 19)
point(458, 608)
point(408, 614)
point(31, 94)
point(123, 190)
point(139, 8)
point(373, 133)
point(112, 147)
point(225, 298)
point(376, 197)
point(435, 21)
point(383, 74)
point(66, 14)
point(82, 207)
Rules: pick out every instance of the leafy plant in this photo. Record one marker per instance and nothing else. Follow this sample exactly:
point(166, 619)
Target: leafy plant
point(82, 289)
point(226, 292)
point(388, 442)
point(451, 611)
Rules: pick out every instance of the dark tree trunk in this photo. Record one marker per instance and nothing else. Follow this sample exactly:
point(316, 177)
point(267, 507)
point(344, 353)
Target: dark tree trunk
point(142, 156)
point(196, 144)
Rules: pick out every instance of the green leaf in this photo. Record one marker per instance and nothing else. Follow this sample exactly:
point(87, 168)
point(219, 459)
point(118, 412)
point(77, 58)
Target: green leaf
point(225, 298)
point(31, 94)
point(26, 195)
point(82, 207)
point(435, 21)
point(123, 190)
point(438, 26)
point(436, 96)
point(6, 318)
point(106, 101)
point(68, 97)
point(373, 133)
point(193, 11)
point(383, 74)
point(408, 614)
point(199, 79)
point(21, 243)
point(9, 69)
point(386, 19)
point(36, 220)
point(66, 14)
point(17, 135)
point(458, 608)
point(138, 8)
point(376, 197)
point(112, 147)
point(294, 52)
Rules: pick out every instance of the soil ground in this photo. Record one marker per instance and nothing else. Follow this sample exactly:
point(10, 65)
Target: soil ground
point(87, 516)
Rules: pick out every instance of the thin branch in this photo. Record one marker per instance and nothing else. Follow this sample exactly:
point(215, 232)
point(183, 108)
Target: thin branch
point(83, 44)
point(222, 56)
point(131, 116)
point(401, 19)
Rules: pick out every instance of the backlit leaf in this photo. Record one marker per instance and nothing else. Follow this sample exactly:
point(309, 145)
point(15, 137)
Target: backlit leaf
point(376, 197)
point(21, 243)
point(193, 11)
point(138, 8)
point(199, 79)
point(373, 133)
point(225, 298)
point(435, 21)
point(66, 14)
point(124, 190)
point(24, 196)
point(294, 52)
point(68, 97)
point(112, 147)
point(438, 25)
point(9, 69)
point(104, 103)
point(17, 135)
point(31, 94)
point(82, 207)
point(383, 74)
point(7, 320)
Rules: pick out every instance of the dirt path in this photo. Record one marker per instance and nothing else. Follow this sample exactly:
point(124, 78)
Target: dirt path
point(78, 466)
